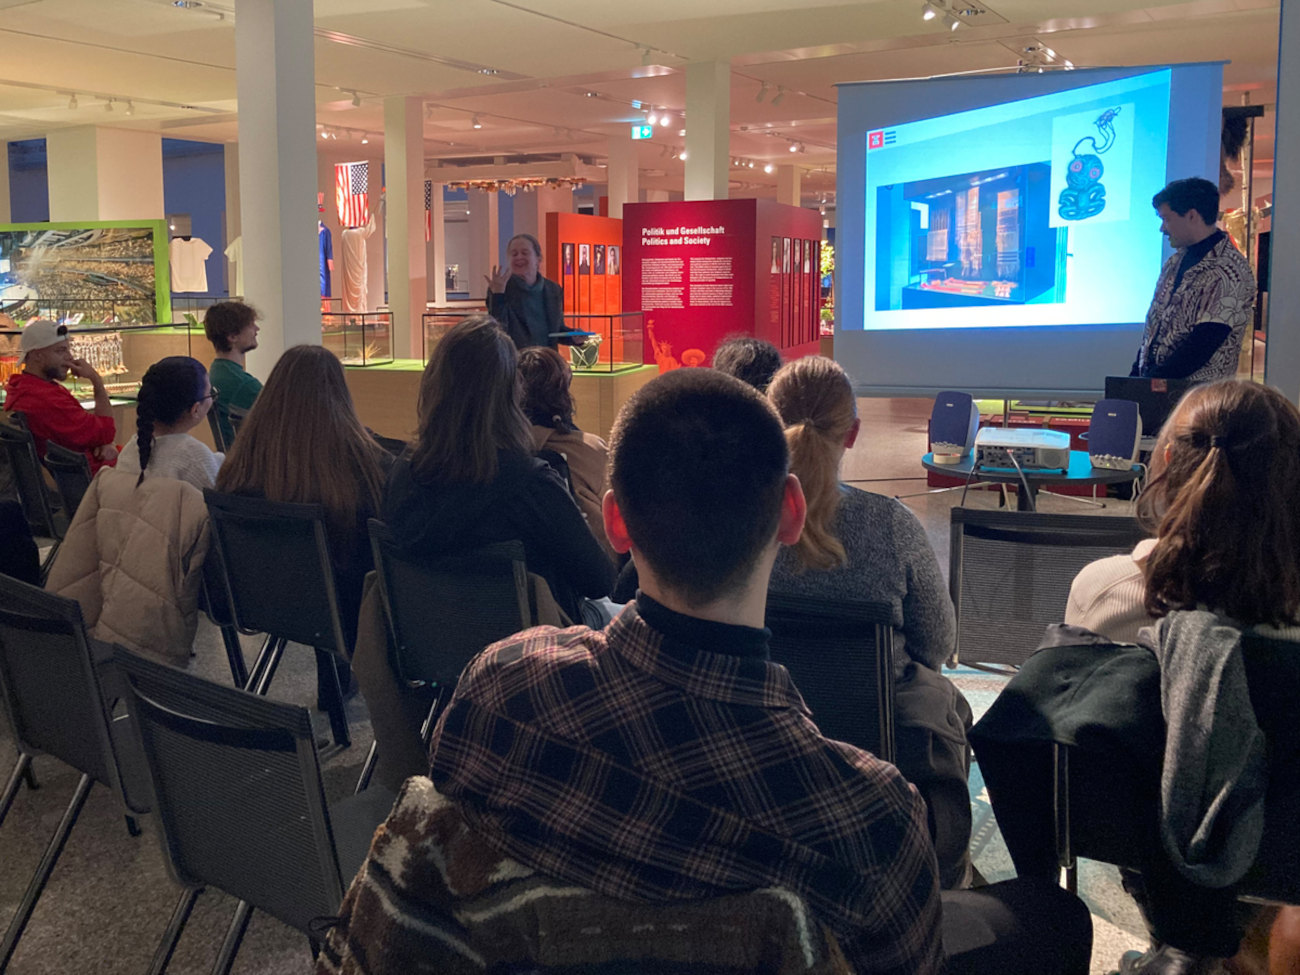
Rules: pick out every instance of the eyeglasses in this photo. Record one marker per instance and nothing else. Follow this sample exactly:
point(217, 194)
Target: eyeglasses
point(213, 393)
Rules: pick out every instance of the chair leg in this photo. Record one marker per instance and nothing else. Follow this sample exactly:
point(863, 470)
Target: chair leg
point(43, 870)
point(29, 775)
point(367, 768)
point(235, 656)
point(234, 937)
point(328, 681)
point(259, 678)
point(21, 770)
point(172, 936)
point(132, 827)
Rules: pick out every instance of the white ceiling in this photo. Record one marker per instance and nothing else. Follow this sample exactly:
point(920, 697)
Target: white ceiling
point(175, 66)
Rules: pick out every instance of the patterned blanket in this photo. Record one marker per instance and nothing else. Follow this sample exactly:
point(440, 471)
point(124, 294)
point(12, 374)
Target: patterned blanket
point(433, 896)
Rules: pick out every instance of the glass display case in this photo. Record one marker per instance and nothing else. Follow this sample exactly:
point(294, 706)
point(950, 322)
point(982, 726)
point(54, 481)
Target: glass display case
point(436, 321)
point(616, 343)
point(358, 338)
point(119, 353)
point(87, 311)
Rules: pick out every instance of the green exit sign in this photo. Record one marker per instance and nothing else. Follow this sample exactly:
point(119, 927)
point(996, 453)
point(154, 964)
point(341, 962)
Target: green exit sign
point(642, 131)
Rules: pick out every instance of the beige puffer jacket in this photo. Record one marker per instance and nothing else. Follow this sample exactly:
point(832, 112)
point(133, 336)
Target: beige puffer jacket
point(133, 558)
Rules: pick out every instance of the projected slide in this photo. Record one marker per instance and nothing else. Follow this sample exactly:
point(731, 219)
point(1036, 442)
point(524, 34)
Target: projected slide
point(1027, 213)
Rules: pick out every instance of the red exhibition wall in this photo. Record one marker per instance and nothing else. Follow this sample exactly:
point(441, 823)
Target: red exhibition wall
point(584, 254)
point(705, 269)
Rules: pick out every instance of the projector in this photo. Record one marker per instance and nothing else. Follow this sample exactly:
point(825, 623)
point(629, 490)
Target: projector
point(1033, 449)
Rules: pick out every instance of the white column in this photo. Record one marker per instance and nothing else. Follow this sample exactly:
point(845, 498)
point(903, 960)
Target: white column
point(234, 274)
point(437, 247)
point(6, 214)
point(484, 240)
point(656, 196)
point(708, 129)
point(275, 77)
point(404, 178)
point(624, 177)
point(105, 174)
point(1282, 361)
point(788, 179)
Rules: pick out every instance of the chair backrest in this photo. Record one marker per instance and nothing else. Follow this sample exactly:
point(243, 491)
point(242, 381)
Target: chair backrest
point(442, 611)
point(841, 657)
point(236, 415)
point(20, 448)
point(50, 685)
point(1273, 675)
point(71, 473)
point(214, 424)
point(1010, 572)
point(237, 791)
point(275, 560)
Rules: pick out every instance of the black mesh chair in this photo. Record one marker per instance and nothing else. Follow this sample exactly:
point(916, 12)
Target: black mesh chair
point(278, 578)
point(56, 690)
point(442, 611)
point(236, 416)
point(215, 604)
point(1009, 573)
point(236, 787)
point(25, 465)
point(71, 473)
point(214, 424)
point(1273, 676)
point(841, 657)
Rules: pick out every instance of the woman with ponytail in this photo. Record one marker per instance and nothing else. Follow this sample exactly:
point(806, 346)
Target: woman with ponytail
point(1147, 685)
point(868, 548)
point(175, 395)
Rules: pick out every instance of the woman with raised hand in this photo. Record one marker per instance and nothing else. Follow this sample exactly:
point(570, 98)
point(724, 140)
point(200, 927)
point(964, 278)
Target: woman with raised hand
point(175, 396)
point(1147, 686)
point(527, 305)
point(868, 548)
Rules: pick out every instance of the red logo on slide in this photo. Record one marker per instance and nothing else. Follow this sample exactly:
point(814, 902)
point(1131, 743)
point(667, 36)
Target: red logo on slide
point(876, 140)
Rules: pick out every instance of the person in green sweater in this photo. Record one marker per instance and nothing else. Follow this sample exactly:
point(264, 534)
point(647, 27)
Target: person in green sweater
point(231, 327)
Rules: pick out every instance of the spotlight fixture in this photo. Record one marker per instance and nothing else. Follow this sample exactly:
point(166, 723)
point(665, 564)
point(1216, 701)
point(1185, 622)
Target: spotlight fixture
point(365, 139)
point(928, 12)
point(488, 71)
point(651, 117)
point(646, 57)
point(72, 101)
point(681, 133)
point(751, 164)
point(592, 94)
point(108, 105)
point(762, 92)
point(780, 94)
point(475, 123)
point(356, 100)
point(682, 155)
point(664, 120)
point(130, 108)
point(768, 168)
point(324, 135)
point(953, 22)
point(794, 147)
point(802, 147)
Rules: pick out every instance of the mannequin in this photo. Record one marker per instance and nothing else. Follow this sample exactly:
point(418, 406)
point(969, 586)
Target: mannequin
point(355, 280)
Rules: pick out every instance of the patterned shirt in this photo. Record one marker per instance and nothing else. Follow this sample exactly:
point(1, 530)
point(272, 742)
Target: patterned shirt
point(638, 764)
point(1218, 288)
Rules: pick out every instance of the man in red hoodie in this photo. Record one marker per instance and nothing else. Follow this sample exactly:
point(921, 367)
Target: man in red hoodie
point(52, 412)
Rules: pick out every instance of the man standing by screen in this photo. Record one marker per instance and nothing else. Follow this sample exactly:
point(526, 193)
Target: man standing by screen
point(1205, 297)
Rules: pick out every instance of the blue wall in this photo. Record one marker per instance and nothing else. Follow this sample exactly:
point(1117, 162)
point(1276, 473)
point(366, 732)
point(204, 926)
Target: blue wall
point(29, 185)
point(194, 182)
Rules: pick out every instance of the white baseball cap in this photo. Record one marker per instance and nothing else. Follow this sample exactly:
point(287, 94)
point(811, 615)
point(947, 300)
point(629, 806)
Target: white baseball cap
point(41, 333)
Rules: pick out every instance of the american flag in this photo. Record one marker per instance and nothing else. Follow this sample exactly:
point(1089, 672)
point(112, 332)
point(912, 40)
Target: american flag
point(428, 210)
point(351, 181)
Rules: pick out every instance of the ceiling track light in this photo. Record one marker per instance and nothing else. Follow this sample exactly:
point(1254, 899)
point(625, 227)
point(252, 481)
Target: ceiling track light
point(646, 57)
point(664, 119)
point(108, 105)
point(72, 101)
point(651, 117)
point(475, 123)
point(762, 92)
point(780, 94)
point(928, 11)
point(130, 107)
point(794, 147)
point(356, 99)
point(682, 155)
point(365, 138)
point(768, 168)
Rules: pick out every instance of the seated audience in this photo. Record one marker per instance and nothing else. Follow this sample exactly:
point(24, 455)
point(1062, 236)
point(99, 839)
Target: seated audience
point(548, 404)
point(862, 546)
point(1226, 515)
point(231, 327)
point(52, 412)
point(664, 759)
point(750, 360)
point(304, 443)
point(469, 480)
point(174, 397)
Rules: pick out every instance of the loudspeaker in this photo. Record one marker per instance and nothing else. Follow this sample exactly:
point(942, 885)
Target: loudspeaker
point(1114, 433)
point(953, 423)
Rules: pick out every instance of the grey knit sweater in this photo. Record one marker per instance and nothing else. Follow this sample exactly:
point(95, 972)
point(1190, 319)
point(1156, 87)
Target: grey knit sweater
point(890, 561)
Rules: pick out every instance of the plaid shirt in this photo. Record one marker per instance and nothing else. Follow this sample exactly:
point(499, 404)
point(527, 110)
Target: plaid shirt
point(647, 769)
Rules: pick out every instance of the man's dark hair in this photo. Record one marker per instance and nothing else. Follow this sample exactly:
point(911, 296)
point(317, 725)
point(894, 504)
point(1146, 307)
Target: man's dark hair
point(749, 359)
point(1191, 194)
point(697, 462)
point(226, 319)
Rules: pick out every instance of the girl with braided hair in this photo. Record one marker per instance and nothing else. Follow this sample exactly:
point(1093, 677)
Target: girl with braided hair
point(175, 396)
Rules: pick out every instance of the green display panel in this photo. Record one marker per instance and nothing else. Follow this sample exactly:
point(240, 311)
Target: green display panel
point(103, 270)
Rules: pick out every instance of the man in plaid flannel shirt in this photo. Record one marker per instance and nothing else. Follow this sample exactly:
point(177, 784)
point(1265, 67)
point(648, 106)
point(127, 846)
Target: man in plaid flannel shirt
point(666, 757)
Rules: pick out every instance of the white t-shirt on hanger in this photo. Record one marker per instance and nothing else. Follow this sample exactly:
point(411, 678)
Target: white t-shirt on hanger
point(189, 273)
